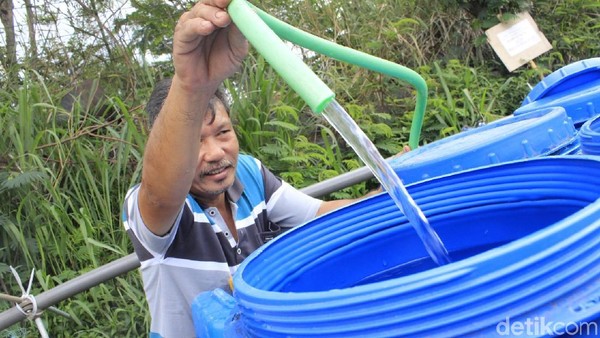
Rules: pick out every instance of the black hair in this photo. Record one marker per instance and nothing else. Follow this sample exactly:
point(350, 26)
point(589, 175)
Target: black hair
point(159, 95)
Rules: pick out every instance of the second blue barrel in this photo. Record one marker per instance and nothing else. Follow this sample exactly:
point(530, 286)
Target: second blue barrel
point(575, 87)
point(548, 131)
point(589, 136)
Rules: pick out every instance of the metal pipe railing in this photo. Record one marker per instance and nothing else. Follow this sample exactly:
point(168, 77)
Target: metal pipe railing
point(339, 182)
point(74, 286)
point(130, 262)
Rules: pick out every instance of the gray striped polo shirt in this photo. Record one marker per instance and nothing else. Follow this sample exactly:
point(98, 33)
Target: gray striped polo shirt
point(199, 254)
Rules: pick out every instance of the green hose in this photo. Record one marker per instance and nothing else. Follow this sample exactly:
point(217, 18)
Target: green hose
point(295, 72)
point(246, 19)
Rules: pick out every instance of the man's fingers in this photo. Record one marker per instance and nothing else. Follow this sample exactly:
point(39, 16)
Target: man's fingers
point(216, 15)
point(215, 3)
point(237, 43)
point(191, 29)
point(202, 20)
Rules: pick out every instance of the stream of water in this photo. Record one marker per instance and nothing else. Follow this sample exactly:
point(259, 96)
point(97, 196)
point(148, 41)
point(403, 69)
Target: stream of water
point(368, 153)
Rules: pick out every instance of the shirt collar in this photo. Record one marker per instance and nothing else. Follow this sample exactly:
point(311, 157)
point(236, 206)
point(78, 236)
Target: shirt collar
point(235, 191)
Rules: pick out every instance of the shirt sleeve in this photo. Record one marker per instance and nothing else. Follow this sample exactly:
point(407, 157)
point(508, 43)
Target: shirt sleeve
point(132, 219)
point(289, 207)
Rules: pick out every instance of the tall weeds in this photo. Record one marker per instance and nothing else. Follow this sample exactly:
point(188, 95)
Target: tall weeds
point(63, 175)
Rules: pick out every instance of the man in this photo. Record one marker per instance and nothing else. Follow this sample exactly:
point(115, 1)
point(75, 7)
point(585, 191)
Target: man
point(201, 208)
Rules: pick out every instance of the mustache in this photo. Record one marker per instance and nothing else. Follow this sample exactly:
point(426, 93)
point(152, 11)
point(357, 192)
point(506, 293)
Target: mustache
point(216, 166)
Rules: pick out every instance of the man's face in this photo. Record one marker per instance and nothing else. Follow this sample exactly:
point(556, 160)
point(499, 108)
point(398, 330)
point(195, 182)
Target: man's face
point(218, 156)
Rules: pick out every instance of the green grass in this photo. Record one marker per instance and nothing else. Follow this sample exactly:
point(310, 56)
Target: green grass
point(64, 175)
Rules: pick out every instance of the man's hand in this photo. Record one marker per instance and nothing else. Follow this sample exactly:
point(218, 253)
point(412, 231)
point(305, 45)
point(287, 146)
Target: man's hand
point(207, 47)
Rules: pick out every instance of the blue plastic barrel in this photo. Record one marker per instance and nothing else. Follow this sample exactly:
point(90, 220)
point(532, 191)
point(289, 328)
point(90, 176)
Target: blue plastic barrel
point(547, 131)
point(524, 237)
point(589, 135)
point(575, 87)
point(573, 148)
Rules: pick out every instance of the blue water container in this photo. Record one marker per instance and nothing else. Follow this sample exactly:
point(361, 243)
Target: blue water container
point(589, 135)
point(547, 131)
point(524, 237)
point(572, 148)
point(210, 312)
point(575, 87)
